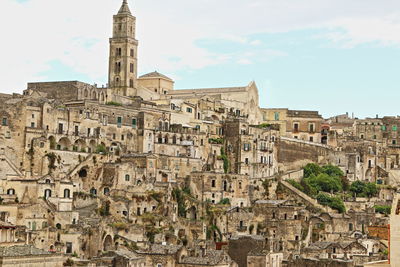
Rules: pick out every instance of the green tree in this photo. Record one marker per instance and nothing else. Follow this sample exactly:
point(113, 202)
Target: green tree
point(312, 169)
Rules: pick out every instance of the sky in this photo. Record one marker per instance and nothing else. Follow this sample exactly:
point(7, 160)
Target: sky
point(334, 56)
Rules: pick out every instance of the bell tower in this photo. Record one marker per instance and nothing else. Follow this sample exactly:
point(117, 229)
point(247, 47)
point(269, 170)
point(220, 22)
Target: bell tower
point(122, 69)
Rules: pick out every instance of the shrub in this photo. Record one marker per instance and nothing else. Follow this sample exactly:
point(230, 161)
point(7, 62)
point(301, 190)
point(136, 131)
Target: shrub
point(363, 189)
point(312, 169)
point(225, 201)
point(216, 140)
point(112, 103)
point(101, 149)
point(332, 202)
point(296, 184)
point(383, 209)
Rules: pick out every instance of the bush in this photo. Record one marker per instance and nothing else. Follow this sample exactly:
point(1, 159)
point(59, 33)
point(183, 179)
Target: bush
point(101, 149)
point(383, 209)
point(225, 201)
point(363, 189)
point(312, 169)
point(112, 103)
point(296, 184)
point(332, 202)
point(216, 140)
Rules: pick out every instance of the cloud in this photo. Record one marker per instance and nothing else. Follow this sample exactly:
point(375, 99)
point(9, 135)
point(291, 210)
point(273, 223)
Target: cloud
point(75, 32)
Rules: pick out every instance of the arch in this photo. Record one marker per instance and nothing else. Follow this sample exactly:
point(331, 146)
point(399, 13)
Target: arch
point(94, 95)
point(64, 143)
point(166, 126)
point(33, 226)
point(11, 191)
point(108, 243)
point(53, 142)
point(193, 213)
point(80, 145)
point(67, 193)
point(160, 139)
point(58, 226)
point(47, 193)
point(166, 137)
point(82, 173)
point(174, 139)
point(102, 96)
point(92, 146)
point(85, 93)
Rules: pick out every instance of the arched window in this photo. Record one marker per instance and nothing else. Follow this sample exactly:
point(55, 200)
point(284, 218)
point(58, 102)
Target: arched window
point(166, 126)
point(11, 191)
point(174, 139)
point(166, 139)
point(67, 193)
point(106, 190)
point(47, 193)
point(127, 178)
point(160, 126)
point(58, 226)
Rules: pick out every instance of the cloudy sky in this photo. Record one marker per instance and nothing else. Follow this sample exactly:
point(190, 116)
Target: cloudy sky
point(334, 56)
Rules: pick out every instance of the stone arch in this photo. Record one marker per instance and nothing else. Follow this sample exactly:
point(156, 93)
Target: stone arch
point(64, 143)
point(85, 93)
point(166, 126)
point(102, 97)
point(53, 142)
point(108, 243)
point(193, 213)
point(174, 139)
point(94, 95)
point(166, 139)
point(83, 173)
point(92, 146)
point(80, 145)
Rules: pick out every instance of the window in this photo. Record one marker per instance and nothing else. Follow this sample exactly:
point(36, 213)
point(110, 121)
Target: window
point(394, 128)
point(67, 193)
point(127, 178)
point(131, 68)
point(118, 51)
point(122, 137)
point(33, 116)
point(296, 127)
point(32, 125)
point(4, 122)
point(119, 121)
point(11, 191)
point(383, 128)
point(311, 139)
point(134, 122)
point(47, 193)
point(246, 161)
point(132, 53)
point(246, 147)
point(189, 110)
point(276, 116)
point(311, 127)
point(394, 142)
point(212, 183)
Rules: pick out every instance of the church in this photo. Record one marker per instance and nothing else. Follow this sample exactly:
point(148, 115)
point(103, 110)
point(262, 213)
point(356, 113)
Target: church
point(124, 84)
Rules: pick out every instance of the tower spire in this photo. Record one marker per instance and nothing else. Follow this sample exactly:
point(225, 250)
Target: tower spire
point(124, 8)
